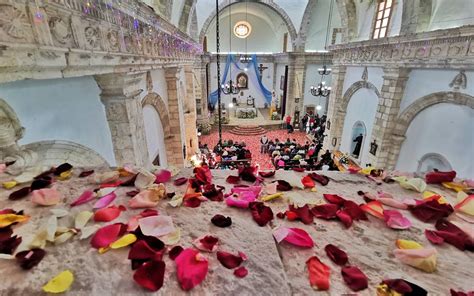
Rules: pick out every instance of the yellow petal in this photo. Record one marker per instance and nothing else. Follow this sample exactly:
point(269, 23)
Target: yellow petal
point(39, 241)
point(408, 244)
point(9, 219)
point(124, 241)
point(429, 194)
point(272, 196)
point(367, 170)
point(103, 250)
point(82, 218)
point(65, 175)
point(176, 201)
point(314, 189)
point(9, 185)
point(171, 238)
point(59, 283)
point(465, 203)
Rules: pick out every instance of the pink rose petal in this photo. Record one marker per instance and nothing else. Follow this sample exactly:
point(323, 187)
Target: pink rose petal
point(86, 196)
point(156, 225)
point(294, 236)
point(394, 219)
point(105, 200)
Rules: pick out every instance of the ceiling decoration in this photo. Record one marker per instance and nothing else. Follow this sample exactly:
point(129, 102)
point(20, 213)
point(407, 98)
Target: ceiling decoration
point(242, 29)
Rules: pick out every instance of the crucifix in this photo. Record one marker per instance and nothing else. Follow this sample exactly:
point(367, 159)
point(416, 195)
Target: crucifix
point(261, 68)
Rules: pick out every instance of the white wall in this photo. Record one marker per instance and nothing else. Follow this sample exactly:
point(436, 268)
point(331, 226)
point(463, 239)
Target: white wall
point(424, 82)
point(445, 129)
point(253, 87)
point(316, 35)
point(362, 107)
point(452, 13)
point(365, 17)
point(154, 135)
point(354, 74)
point(312, 79)
point(396, 19)
point(61, 109)
point(176, 11)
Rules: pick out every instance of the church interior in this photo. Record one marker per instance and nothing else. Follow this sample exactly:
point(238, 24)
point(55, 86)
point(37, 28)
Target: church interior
point(237, 147)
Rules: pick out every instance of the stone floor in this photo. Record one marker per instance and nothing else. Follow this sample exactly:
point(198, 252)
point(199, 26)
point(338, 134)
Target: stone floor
point(273, 269)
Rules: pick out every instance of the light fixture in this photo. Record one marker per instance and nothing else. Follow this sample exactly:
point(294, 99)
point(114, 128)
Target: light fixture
point(324, 70)
point(321, 90)
point(319, 107)
point(242, 29)
point(246, 69)
point(245, 58)
point(230, 87)
point(231, 105)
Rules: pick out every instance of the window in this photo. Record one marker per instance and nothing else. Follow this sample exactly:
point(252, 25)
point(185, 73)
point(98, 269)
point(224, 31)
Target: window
point(382, 18)
point(242, 29)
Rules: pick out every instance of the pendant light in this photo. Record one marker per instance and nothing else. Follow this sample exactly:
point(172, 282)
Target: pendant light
point(246, 58)
point(230, 87)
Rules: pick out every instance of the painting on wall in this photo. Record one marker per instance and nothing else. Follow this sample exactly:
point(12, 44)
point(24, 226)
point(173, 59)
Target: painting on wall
point(242, 81)
point(282, 82)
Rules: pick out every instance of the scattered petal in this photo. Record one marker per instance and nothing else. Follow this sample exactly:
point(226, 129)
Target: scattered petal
point(307, 182)
point(175, 251)
point(124, 241)
point(221, 221)
point(437, 177)
point(207, 243)
point(261, 213)
point(59, 283)
point(319, 274)
point(84, 174)
point(59, 212)
point(423, 259)
point(266, 174)
point(321, 179)
point(9, 219)
point(241, 272)
point(282, 185)
point(233, 179)
point(394, 219)
point(9, 184)
point(107, 177)
point(105, 201)
point(229, 260)
point(354, 278)
point(86, 196)
point(393, 203)
point(107, 235)
point(145, 250)
point(334, 199)
point(247, 173)
point(82, 218)
point(344, 217)
point(326, 211)
point(9, 245)
point(176, 201)
point(203, 175)
point(354, 210)
point(172, 238)
point(303, 213)
point(408, 244)
point(40, 184)
point(162, 176)
point(433, 237)
point(150, 275)
point(108, 214)
point(156, 225)
point(294, 236)
point(191, 268)
point(30, 258)
point(62, 168)
point(375, 208)
point(465, 204)
point(20, 193)
point(144, 179)
point(180, 181)
point(337, 255)
point(431, 210)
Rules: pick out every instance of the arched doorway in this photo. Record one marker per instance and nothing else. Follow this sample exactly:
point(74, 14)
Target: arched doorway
point(359, 134)
point(431, 161)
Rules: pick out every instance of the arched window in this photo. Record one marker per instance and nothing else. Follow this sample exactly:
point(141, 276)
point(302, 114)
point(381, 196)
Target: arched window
point(431, 161)
point(382, 18)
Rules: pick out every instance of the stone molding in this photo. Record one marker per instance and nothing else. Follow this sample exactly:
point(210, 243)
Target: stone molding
point(154, 100)
point(450, 48)
point(66, 42)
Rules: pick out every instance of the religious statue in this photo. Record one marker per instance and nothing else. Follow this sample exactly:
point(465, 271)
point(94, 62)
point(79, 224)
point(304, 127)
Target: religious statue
point(10, 132)
point(358, 141)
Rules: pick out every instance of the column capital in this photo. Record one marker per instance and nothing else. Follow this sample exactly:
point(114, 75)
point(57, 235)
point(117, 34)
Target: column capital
point(396, 72)
point(119, 86)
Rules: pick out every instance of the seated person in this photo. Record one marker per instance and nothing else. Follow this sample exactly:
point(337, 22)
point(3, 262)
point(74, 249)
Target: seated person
point(275, 152)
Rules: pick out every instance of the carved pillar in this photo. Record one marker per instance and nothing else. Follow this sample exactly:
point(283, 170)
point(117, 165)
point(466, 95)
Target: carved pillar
point(121, 98)
point(296, 74)
point(335, 114)
point(174, 151)
point(190, 117)
point(387, 110)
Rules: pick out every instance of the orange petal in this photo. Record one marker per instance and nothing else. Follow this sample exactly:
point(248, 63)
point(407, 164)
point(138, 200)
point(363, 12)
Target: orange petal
point(375, 208)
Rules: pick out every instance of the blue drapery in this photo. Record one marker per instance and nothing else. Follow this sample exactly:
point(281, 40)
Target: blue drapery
point(253, 65)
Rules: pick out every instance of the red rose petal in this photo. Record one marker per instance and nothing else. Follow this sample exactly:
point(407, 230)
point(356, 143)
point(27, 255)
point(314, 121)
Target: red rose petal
point(208, 243)
point(180, 181)
point(354, 278)
point(334, 199)
point(337, 255)
point(40, 184)
point(62, 168)
point(431, 210)
point(438, 177)
point(303, 213)
point(398, 285)
point(282, 185)
point(141, 250)
point(192, 202)
point(9, 245)
point(307, 182)
point(291, 216)
point(229, 260)
point(326, 211)
point(247, 173)
point(20, 193)
point(191, 268)
point(241, 272)
point(203, 175)
point(221, 221)
point(298, 169)
point(318, 274)
point(433, 237)
point(453, 235)
point(162, 176)
point(213, 192)
point(345, 218)
point(354, 210)
point(30, 258)
point(233, 179)
point(86, 196)
point(107, 235)
point(267, 174)
point(280, 215)
point(150, 275)
point(261, 213)
point(459, 293)
point(108, 214)
point(132, 193)
point(175, 251)
point(84, 174)
point(321, 179)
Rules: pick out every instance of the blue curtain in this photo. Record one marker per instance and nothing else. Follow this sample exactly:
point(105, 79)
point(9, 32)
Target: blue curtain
point(254, 65)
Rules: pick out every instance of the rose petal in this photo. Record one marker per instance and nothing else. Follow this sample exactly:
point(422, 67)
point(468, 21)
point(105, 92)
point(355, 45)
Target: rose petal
point(192, 202)
point(394, 219)
point(30, 258)
point(40, 184)
point(124, 241)
point(354, 278)
point(433, 237)
point(354, 210)
point(375, 208)
point(105, 201)
point(175, 251)
point(207, 243)
point(303, 213)
point(431, 210)
point(59, 283)
point(156, 225)
point(20, 193)
point(266, 174)
point(438, 177)
point(261, 213)
point(307, 182)
point(9, 245)
point(459, 293)
point(203, 175)
point(229, 260)
point(241, 272)
point(86, 196)
point(107, 235)
point(46, 197)
point(221, 221)
point(337, 255)
point(334, 199)
point(62, 168)
point(10, 219)
point(393, 203)
point(82, 218)
point(162, 176)
point(150, 275)
point(143, 250)
point(233, 179)
point(144, 179)
point(144, 199)
point(132, 193)
point(282, 185)
point(344, 217)
point(108, 214)
point(423, 259)
point(326, 211)
point(321, 179)
point(84, 174)
point(180, 181)
point(318, 274)
point(294, 236)
point(213, 192)
point(248, 173)
point(454, 235)
point(191, 268)
point(465, 204)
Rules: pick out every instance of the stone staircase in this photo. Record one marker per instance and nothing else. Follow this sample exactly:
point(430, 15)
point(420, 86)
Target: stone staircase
point(248, 130)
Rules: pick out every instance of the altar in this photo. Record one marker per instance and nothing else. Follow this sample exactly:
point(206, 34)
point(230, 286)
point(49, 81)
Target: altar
point(245, 112)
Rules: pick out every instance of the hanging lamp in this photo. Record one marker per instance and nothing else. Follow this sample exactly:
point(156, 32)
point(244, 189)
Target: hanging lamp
point(246, 58)
point(230, 87)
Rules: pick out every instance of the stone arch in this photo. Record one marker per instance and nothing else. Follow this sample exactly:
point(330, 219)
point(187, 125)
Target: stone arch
point(304, 27)
point(188, 8)
point(353, 89)
point(405, 118)
point(442, 159)
point(348, 13)
point(269, 3)
point(157, 102)
point(410, 112)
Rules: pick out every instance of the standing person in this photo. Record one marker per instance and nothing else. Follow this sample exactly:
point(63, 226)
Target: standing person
point(358, 145)
point(288, 122)
point(263, 144)
point(303, 122)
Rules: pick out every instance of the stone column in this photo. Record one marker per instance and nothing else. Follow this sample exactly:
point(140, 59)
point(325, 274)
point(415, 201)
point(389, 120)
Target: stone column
point(174, 151)
point(394, 151)
point(200, 90)
point(335, 113)
point(296, 74)
point(190, 117)
point(393, 87)
point(121, 98)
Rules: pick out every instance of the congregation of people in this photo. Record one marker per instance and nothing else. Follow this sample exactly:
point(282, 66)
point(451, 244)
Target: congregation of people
point(226, 155)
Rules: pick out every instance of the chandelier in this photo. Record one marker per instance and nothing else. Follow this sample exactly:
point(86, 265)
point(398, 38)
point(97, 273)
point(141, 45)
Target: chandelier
point(321, 90)
point(230, 87)
point(324, 70)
